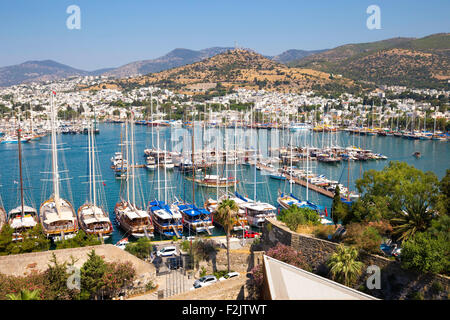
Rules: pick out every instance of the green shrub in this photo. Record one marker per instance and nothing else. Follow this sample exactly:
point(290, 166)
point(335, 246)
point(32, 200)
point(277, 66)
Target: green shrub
point(437, 287)
point(426, 254)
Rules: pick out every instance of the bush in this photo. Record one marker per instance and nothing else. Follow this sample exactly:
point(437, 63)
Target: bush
point(323, 231)
point(437, 287)
point(81, 239)
point(364, 237)
point(141, 248)
point(204, 248)
point(295, 216)
point(426, 254)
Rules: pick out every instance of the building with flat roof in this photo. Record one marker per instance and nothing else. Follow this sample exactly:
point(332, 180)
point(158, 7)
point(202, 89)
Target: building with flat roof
point(283, 281)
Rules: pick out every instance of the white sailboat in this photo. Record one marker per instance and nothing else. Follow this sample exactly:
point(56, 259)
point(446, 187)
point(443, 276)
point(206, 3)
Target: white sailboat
point(22, 217)
point(131, 218)
point(93, 218)
point(57, 215)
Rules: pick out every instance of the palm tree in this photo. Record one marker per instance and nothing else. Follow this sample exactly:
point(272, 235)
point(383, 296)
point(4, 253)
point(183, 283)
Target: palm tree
point(408, 223)
point(24, 295)
point(343, 265)
point(226, 215)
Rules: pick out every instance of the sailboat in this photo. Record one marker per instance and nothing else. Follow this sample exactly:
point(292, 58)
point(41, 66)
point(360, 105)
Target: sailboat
point(130, 217)
point(211, 205)
point(255, 211)
point(93, 218)
point(196, 219)
point(166, 218)
point(57, 215)
point(23, 217)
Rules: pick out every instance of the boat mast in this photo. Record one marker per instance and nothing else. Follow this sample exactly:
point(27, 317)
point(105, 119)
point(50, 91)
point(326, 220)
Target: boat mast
point(54, 156)
point(94, 191)
point(132, 159)
point(128, 162)
point(20, 170)
point(235, 157)
point(157, 162)
point(290, 180)
point(217, 169)
point(165, 174)
point(192, 158)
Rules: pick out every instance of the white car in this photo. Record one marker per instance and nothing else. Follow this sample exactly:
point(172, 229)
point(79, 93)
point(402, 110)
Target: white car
point(167, 251)
point(204, 281)
point(229, 276)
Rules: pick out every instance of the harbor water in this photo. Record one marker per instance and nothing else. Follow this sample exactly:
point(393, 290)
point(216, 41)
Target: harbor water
point(435, 156)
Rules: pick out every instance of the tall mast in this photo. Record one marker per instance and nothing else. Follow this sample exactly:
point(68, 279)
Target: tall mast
point(128, 160)
point(192, 158)
point(94, 191)
point(217, 169)
point(165, 174)
point(54, 156)
point(20, 171)
point(157, 159)
point(132, 159)
point(89, 164)
point(290, 180)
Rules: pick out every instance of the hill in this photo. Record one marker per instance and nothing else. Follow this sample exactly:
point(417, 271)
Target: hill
point(237, 68)
point(175, 58)
point(294, 54)
point(30, 71)
point(410, 62)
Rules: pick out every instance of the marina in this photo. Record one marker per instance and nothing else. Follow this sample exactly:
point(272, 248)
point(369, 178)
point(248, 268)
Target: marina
point(268, 188)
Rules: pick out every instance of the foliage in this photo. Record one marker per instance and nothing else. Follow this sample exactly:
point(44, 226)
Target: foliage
point(141, 248)
point(363, 237)
point(56, 277)
point(203, 272)
point(399, 193)
point(24, 294)
point(323, 231)
point(344, 266)
point(92, 272)
point(339, 210)
point(288, 255)
point(33, 240)
point(81, 239)
point(116, 277)
point(204, 248)
point(295, 216)
point(426, 253)
point(444, 197)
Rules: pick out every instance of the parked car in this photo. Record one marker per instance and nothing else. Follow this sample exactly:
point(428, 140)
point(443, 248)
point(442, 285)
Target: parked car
point(251, 234)
point(167, 251)
point(229, 276)
point(205, 281)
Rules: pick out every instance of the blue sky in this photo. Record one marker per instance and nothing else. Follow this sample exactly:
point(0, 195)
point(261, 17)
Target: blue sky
point(116, 32)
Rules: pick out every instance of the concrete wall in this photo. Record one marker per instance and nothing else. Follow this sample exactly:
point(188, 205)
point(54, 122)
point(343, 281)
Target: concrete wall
point(396, 283)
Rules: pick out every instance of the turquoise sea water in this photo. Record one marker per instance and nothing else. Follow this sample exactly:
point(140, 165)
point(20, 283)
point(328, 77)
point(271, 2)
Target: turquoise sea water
point(435, 157)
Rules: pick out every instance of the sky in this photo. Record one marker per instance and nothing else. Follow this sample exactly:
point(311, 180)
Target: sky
point(116, 32)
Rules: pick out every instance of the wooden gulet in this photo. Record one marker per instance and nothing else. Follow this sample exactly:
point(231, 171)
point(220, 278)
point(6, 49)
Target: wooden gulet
point(132, 219)
point(92, 217)
point(57, 215)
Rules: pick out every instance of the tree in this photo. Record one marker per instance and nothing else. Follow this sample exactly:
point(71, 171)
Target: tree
point(295, 216)
point(141, 248)
point(444, 197)
point(92, 272)
point(426, 253)
point(25, 295)
point(338, 209)
point(56, 281)
point(226, 215)
point(399, 193)
point(344, 266)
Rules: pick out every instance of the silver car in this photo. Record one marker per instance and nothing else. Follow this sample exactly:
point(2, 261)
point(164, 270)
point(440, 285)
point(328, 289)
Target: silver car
point(204, 281)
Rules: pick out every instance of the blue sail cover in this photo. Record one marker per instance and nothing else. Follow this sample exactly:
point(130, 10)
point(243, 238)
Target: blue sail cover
point(157, 205)
point(239, 196)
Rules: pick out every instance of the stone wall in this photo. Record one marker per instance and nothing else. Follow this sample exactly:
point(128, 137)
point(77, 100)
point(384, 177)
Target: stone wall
point(22, 264)
point(396, 283)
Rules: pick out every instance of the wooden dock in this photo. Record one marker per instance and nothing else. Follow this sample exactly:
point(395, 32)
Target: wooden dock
point(310, 186)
